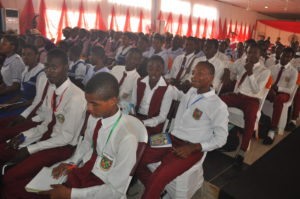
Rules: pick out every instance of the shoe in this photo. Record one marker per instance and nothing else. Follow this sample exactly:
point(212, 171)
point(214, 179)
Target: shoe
point(290, 127)
point(268, 141)
point(239, 161)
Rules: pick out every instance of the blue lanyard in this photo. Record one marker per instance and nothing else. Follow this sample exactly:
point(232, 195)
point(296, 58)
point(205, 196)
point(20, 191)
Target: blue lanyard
point(197, 100)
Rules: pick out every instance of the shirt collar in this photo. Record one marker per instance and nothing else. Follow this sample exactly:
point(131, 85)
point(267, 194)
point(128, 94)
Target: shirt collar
point(213, 58)
point(8, 60)
point(131, 72)
point(61, 88)
point(161, 82)
point(256, 65)
point(205, 95)
point(111, 120)
point(190, 55)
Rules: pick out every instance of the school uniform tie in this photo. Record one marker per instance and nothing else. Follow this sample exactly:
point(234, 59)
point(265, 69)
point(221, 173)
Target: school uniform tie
point(242, 79)
point(53, 120)
point(279, 75)
point(33, 112)
point(88, 166)
point(181, 69)
point(82, 131)
point(122, 79)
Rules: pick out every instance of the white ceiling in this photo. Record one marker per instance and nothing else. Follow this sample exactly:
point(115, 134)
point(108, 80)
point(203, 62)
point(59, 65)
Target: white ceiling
point(283, 9)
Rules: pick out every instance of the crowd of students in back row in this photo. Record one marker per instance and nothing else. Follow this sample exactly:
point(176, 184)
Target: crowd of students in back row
point(44, 109)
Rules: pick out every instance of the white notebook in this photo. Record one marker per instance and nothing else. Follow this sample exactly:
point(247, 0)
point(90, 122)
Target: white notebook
point(43, 180)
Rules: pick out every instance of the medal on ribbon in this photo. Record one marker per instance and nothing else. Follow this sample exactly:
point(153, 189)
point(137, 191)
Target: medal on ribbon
point(105, 163)
point(60, 118)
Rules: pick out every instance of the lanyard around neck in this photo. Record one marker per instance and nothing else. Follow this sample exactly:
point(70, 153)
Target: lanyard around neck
point(60, 99)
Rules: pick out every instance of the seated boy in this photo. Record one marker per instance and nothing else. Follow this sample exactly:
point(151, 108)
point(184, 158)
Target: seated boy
point(200, 125)
point(152, 96)
point(97, 59)
point(284, 77)
point(104, 158)
point(30, 77)
point(127, 75)
point(54, 139)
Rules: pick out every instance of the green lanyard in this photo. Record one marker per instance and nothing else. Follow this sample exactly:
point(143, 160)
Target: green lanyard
point(112, 129)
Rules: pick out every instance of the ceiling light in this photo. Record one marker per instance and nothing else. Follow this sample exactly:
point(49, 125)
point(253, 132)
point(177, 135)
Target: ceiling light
point(266, 7)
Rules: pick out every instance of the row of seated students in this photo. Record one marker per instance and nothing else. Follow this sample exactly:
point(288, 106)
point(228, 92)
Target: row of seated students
point(200, 125)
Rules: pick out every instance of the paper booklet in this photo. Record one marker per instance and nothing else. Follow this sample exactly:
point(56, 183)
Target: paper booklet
point(160, 140)
point(43, 180)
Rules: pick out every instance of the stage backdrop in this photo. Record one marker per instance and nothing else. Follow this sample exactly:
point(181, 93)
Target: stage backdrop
point(286, 30)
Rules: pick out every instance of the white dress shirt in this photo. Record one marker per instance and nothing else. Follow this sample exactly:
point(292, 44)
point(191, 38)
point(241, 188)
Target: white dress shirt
point(81, 68)
point(296, 63)
point(174, 53)
point(146, 100)
point(122, 51)
point(271, 61)
point(121, 147)
point(288, 79)
point(211, 128)
point(11, 70)
point(191, 60)
point(71, 106)
point(253, 85)
point(128, 83)
point(91, 73)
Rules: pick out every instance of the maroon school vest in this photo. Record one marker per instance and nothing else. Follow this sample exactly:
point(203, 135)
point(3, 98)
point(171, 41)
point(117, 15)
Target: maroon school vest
point(155, 104)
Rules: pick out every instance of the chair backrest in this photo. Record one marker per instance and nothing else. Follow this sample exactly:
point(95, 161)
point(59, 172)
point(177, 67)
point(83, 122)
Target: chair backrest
point(171, 115)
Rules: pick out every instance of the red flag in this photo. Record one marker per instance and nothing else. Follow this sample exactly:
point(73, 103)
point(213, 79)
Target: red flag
point(249, 32)
point(113, 21)
point(179, 29)
point(198, 28)
point(42, 20)
point(245, 33)
point(81, 20)
point(26, 17)
point(1, 6)
point(234, 36)
point(99, 24)
point(220, 29)
point(190, 27)
point(204, 29)
point(169, 24)
point(224, 29)
point(213, 30)
point(240, 37)
point(160, 16)
point(229, 35)
point(140, 28)
point(127, 27)
point(63, 21)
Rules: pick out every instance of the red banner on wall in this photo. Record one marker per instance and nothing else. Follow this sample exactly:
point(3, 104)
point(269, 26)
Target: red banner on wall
point(289, 26)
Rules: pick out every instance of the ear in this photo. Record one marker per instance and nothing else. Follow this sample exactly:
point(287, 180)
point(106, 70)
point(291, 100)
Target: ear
point(113, 101)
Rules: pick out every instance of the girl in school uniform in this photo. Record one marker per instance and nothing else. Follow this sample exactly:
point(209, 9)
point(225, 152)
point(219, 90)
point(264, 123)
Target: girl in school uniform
point(12, 68)
point(30, 77)
point(152, 96)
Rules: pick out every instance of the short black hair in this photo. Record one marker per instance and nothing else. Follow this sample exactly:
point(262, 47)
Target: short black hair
point(193, 39)
point(208, 65)
point(13, 40)
point(32, 47)
point(75, 50)
point(289, 50)
point(104, 85)
point(159, 37)
point(59, 54)
point(98, 50)
point(214, 42)
point(156, 58)
point(144, 38)
point(134, 50)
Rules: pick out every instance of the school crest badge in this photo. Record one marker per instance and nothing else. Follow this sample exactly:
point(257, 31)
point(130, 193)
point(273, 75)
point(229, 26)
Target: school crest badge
point(105, 163)
point(60, 118)
point(197, 114)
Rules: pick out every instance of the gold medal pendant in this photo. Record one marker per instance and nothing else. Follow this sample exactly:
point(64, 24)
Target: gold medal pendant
point(60, 118)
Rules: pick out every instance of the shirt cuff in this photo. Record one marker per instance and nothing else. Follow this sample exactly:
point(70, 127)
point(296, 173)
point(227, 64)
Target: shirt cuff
point(33, 148)
point(77, 193)
point(205, 147)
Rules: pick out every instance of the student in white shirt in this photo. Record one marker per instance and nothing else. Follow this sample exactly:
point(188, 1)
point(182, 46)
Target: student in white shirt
point(123, 49)
point(184, 64)
point(143, 46)
point(152, 97)
point(176, 48)
point(274, 58)
point(103, 161)
point(156, 49)
point(12, 68)
point(284, 77)
point(54, 139)
point(222, 72)
point(30, 77)
point(249, 89)
point(40, 43)
point(97, 59)
point(201, 125)
point(77, 66)
point(127, 76)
